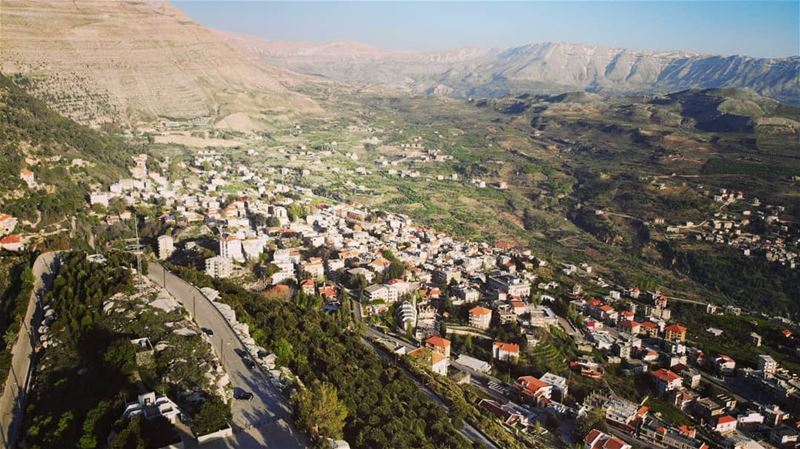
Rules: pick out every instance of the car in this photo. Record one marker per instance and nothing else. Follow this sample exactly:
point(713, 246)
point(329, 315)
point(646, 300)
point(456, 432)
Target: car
point(207, 331)
point(242, 395)
point(240, 352)
point(249, 362)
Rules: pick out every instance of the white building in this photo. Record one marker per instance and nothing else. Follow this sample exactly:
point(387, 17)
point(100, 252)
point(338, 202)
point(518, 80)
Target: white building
point(166, 246)
point(767, 365)
point(219, 267)
point(99, 198)
point(151, 406)
point(7, 224)
point(231, 248)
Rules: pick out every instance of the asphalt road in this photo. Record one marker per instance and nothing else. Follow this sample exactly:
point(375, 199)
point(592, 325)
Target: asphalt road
point(265, 420)
point(12, 402)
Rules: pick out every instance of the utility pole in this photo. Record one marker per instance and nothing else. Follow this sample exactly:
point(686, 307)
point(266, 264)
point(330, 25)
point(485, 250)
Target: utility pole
point(138, 260)
point(194, 312)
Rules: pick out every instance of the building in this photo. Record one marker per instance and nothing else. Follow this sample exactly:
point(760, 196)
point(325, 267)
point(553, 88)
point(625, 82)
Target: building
point(725, 424)
point(431, 359)
point(767, 365)
point(474, 364)
point(558, 383)
point(480, 318)
point(139, 169)
point(666, 380)
point(166, 246)
point(510, 285)
point(596, 439)
point(533, 389)
point(755, 339)
point(231, 248)
point(507, 352)
point(439, 344)
point(150, 406)
point(661, 435)
point(27, 176)
point(219, 267)
point(675, 332)
point(12, 242)
point(7, 224)
point(725, 365)
point(406, 315)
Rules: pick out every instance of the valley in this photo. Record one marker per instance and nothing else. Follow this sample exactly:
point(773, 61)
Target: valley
point(267, 243)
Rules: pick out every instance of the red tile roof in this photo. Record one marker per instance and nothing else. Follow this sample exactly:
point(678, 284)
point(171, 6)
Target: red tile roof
point(438, 342)
point(479, 311)
point(666, 375)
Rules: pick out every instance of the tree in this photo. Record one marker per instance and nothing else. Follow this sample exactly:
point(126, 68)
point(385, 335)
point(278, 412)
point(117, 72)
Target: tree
point(319, 412)
point(283, 349)
point(213, 415)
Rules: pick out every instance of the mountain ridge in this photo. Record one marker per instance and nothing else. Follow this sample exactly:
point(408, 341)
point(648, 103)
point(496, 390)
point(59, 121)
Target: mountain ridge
point(541, 67)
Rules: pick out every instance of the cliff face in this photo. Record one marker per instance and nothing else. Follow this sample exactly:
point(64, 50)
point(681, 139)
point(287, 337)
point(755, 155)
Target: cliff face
point(99, 61)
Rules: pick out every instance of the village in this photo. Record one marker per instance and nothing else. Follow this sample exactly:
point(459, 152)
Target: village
point(423, 294)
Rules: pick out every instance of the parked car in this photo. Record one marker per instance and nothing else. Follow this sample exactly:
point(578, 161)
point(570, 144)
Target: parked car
point(242, 395)
point(207, 331)
point(248, 362)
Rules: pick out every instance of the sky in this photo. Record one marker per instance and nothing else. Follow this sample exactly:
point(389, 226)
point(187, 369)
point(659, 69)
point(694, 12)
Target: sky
point(755, 28)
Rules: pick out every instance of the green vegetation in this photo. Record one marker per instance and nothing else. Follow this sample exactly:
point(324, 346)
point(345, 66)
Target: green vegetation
point(28, 128)
point(92, 368)
point(319, 412)
point(16, 286)
point(384, 408)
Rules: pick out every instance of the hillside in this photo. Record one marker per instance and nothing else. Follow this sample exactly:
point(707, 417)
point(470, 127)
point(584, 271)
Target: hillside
point(65, 158)
point(545, 67)
point(103, 61)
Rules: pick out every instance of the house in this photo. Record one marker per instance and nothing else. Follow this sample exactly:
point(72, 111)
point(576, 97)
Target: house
point(675, 332)
point(533, 389)
point(313, 267)
point(558, 383)
point(440, 344)
point(506, 352)
point(27, 176)
point(724, 364)
point(755, 339)
point(230, 247)
point(629, 326)
point(474, 364)
point(431, 359)
point(659, 434)
point(505, 412)
point(12, 242)
point(666, 380)
point(380, 292)
point(166, 246)
point(649, 329)
point(149, 406)
point(307, 286)
point(7, 224)
point(596, 439)
point(725, 424)
point(480, 318)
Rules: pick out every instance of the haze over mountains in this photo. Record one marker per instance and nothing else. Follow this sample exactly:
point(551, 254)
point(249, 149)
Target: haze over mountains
point(543, 67)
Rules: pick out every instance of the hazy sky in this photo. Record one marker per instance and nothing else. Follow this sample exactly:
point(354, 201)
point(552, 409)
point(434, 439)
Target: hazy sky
point(756, 28)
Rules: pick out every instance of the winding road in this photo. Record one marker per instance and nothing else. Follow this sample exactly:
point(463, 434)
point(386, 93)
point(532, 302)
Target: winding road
point(263, 422)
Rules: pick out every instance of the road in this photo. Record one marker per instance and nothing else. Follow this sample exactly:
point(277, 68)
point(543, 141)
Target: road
point(265, 420)
point(12, 402)
point(468, 431)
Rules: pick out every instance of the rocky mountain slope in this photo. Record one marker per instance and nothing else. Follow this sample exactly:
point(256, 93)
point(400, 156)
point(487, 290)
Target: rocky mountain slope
point(99, 61)
point(545, 67)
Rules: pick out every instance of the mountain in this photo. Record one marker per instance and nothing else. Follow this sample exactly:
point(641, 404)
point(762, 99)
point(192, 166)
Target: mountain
point(545, 67)
point(100, 61)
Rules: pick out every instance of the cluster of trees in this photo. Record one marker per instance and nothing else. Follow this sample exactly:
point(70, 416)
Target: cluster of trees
point(384, 408)
point(91, 365)
point(16, 282)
